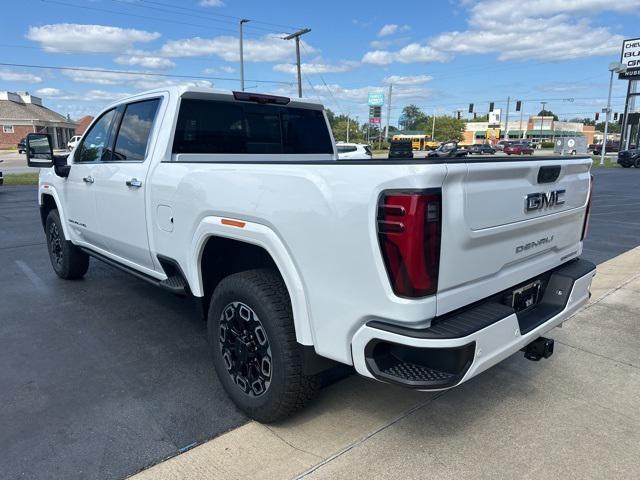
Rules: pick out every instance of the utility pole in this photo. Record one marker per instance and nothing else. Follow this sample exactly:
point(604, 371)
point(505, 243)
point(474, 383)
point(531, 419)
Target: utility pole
point(544, 104)
point(386, 130)
point(506, 122)
point(347, 128)
point(297, 35)
point(433, 126)
point(242, 22)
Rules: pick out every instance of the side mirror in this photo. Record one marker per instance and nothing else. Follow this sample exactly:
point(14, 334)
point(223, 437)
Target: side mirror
point(39, 150)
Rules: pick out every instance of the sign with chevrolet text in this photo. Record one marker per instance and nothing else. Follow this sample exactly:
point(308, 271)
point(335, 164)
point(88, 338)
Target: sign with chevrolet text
point(630, 58)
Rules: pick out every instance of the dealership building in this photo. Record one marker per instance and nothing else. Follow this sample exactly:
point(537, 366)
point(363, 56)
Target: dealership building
point(22, 113)
point(534, 128)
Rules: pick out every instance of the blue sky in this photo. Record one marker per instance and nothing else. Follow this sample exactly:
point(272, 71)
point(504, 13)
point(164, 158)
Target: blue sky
point(439, 55)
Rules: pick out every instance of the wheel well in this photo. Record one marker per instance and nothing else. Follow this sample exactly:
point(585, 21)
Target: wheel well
point(222, 257)
point(48, 204)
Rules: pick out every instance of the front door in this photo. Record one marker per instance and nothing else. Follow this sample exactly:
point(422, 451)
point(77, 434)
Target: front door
point(80, 205)
point(121, 188)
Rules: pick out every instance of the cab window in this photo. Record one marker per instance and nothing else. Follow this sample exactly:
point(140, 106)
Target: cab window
point(133, 134)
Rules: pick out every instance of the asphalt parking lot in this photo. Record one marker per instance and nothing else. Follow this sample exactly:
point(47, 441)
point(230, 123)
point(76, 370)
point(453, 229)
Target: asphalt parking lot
point(104, 376)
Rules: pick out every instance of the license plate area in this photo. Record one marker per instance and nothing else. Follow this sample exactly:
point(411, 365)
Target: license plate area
point(527, 296)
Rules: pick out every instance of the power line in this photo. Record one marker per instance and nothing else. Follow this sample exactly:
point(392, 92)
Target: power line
point(149, 74)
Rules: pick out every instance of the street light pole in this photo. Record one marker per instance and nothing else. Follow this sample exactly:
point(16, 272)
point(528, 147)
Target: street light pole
point(506, 122)
point(614, 67)
point(242, 22)
point(296, 36)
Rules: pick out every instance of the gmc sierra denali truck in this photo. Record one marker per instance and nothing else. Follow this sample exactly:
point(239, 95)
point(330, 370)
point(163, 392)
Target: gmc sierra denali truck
point(417, 272)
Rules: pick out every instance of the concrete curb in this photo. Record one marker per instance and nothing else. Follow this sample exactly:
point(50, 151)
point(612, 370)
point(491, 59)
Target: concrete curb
point(346, 416)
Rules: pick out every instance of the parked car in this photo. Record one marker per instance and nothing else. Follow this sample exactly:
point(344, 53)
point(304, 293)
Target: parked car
point(481, 149)
point(448, 150)
point(421, 274)
point(628, 158)
point(73, 142)
point(1, 177)
point(22, 145)
point(518, 149)
point(401, 148)
point(501, 144)
point(612, 146)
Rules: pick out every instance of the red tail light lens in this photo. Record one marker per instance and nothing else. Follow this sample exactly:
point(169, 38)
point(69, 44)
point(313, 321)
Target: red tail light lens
point(409, 226)
point(585, 225)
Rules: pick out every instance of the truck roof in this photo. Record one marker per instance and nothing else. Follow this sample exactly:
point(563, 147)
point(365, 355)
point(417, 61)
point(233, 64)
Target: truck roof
point(190, 91)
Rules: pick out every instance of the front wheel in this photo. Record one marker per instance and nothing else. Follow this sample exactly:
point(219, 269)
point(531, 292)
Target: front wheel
point(67, 260)
point(637, 163)
point(253, 344)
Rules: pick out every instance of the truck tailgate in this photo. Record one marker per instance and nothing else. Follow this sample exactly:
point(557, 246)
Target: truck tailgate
point(507, 221)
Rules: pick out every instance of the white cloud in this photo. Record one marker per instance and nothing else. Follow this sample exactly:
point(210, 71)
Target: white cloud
point(316, 67)
point(146, 61)
point(218, 70)
point(270, 48)
point(392, 28)
point(86, 96)
point(545, 30)
point(412, 53)
point(408, 80)
point(11, 76)
point(137, 80)
point(82, 38)
point(211, 3)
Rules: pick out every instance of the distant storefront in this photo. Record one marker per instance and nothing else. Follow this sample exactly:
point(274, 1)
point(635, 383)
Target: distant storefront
point(22, 113)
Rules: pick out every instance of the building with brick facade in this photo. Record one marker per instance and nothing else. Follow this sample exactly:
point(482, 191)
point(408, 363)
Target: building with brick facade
point(83, 124)
point(22, 113)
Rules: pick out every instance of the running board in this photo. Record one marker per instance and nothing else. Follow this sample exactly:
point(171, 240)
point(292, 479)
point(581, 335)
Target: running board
point(175, 284)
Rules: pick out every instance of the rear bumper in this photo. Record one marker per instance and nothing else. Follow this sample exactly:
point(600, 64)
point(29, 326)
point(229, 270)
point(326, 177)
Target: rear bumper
point(459, 346)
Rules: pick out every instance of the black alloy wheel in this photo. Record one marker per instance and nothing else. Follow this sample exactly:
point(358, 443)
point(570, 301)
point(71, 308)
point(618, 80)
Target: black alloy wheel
point(245, 349)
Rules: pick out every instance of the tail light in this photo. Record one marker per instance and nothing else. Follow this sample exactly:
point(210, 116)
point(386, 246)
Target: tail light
point(585, 225)
point(409, 226)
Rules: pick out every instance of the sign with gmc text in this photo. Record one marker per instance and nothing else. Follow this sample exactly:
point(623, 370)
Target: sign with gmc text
point(630, 58)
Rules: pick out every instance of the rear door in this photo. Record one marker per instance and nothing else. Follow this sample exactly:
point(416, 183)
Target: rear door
point(507, 221)
point(121, 184)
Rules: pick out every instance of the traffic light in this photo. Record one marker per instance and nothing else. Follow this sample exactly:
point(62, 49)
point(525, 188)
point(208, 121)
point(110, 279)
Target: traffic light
point(615, 117)
point(458, 112)
point(475, 115)
point(471, 108)
point(518, 106)
point(597, 116)
point(491, 106)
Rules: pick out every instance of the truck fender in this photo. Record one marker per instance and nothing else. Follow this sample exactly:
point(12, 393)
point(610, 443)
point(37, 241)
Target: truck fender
point(262, 236)
point(47, 189)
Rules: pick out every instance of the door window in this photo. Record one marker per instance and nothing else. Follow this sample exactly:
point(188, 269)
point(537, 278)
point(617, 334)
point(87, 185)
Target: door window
point(93, 147)
point(133, 134)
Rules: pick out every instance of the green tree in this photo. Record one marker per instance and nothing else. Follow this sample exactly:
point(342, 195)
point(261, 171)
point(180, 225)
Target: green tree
point(446, 127)
point(547, 113)
point(614, 127)
point(413, 117)
point(339, 125)
point(586, 121)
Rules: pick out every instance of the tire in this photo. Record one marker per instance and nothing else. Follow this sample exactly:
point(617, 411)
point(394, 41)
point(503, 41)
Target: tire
point(67, 260)
point(262, 370)
point(637, 163)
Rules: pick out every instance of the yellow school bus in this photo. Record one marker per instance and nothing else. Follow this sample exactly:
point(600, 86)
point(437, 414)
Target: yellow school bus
point(418, 141)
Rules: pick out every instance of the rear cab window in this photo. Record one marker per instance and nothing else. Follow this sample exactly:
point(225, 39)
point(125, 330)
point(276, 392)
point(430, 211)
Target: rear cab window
point(234, 127)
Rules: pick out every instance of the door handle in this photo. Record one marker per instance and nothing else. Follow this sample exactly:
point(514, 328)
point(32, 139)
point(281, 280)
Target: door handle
point(134, 182)
point(88, 179)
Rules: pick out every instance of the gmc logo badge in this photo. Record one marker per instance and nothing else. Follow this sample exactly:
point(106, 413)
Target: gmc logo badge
point(542, 200)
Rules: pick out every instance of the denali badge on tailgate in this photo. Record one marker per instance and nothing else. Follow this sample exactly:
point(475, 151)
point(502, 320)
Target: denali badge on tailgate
point(542, 200)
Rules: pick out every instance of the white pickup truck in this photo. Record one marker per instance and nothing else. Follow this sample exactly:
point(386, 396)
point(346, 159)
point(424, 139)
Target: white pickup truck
point(418, 272)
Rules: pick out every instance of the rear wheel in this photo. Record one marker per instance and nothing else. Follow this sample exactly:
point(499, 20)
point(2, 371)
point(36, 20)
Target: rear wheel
point(68, 261)
point(637, 163)
point(253, 344)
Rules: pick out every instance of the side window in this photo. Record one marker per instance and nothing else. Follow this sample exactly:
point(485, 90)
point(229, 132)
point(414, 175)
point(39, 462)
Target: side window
point(133, 134)
point(93, 146)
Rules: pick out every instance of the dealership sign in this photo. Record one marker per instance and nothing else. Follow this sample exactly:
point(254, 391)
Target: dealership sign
point(630, 58)
point(376, 99)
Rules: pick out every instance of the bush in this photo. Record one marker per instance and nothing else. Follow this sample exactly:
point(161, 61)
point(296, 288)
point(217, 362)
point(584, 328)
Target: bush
point(547, 144)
